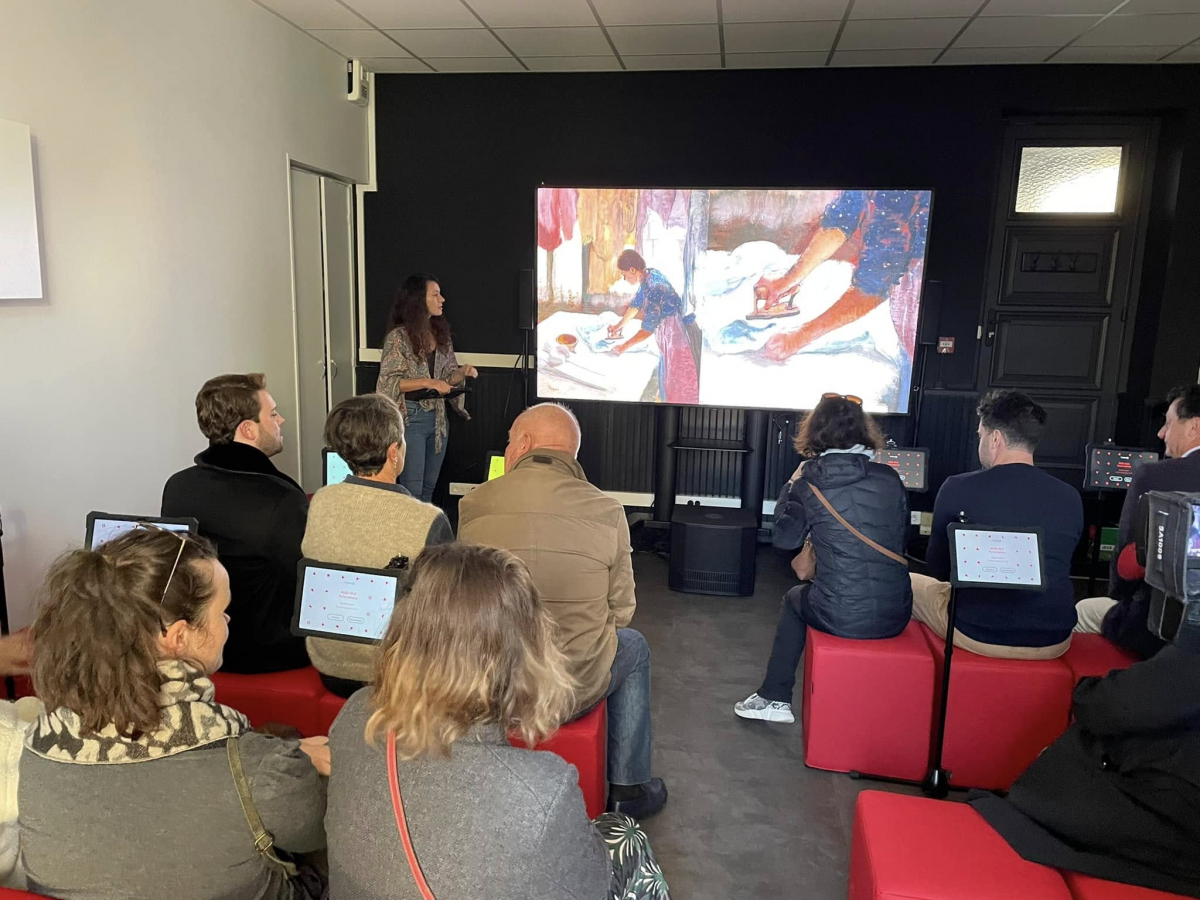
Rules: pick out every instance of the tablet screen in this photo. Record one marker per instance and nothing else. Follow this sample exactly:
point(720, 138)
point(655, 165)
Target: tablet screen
point(495, 466)
point(910, 464)
point(105, 530)
point(345, 603)
point(336, 470)
point(995, 558)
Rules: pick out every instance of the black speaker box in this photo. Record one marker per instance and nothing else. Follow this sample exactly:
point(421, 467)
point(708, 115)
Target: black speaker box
point(713, 551)
point(526, 301)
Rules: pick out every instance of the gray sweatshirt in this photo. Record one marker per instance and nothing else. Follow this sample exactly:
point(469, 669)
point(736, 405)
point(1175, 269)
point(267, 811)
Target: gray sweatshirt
point(493, 822)
point(167, 829)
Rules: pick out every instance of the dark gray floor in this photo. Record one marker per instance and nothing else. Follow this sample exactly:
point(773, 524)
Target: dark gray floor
point(745, 817)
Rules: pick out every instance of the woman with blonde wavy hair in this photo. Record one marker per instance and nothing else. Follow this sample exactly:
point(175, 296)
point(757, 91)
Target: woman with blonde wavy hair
point(427, 797)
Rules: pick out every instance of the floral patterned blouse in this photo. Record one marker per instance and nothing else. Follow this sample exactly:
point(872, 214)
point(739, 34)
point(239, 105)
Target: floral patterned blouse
point(400, 361)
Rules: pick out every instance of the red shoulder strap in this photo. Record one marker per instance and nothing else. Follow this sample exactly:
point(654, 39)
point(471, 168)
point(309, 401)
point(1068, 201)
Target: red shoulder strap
point(402, 822)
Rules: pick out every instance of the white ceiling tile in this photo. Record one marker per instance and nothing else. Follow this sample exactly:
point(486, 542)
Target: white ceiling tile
point(526, 13)
point(779, 36)
point(798, 60)
point(478, 64)
point(1024, 31)
point(782, 10)
point(656, 12)
point(358, 43)
point(677, 61)
point(912, 9)
point(572, 63)
point(446, 42)
point(315, 13)
point(1076, 53)
point(1139, 7)
point(975, 56)
point(1189, 54)
point(650, 40)
point(1049, 7)
point(408, 64)
point(555, 41)
point(884, 57)
point(1134, 31)
point(415, 13)
point(885, 34)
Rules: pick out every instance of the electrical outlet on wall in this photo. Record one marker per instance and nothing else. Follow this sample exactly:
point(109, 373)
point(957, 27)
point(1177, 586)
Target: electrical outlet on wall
point(914, 517)
point(926, 523)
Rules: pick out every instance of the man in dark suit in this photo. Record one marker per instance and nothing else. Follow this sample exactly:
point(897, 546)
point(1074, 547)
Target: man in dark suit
point(1121, 617)
point(254, 513)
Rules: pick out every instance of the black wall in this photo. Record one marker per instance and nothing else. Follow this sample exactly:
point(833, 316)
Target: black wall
point(459, 158)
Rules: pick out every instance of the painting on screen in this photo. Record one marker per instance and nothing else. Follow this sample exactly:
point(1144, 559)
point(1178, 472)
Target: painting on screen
point(739, 298)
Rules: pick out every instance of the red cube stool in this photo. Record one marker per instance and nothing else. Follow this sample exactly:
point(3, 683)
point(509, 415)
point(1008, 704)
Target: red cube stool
point(868, 705)
point(584, 744)
point(15, 894)
point(290, 697)
point(1094, 654)
point(913, 848)
point(328, 707)
point(1002, 713)
point(1085, 887)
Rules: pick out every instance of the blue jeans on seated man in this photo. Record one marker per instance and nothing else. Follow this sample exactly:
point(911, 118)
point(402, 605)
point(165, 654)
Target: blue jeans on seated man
point(629, 710)
point(422, 463)
point(788, 647)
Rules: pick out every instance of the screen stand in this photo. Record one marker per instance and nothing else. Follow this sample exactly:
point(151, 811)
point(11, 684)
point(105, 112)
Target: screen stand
point(666, 431)
point(936, 782)
point(753, 463)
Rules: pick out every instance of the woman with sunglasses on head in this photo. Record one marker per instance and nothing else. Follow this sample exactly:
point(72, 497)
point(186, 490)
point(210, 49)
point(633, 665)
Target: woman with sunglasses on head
point(128, 784)
point(428, 797)
point(850, 515)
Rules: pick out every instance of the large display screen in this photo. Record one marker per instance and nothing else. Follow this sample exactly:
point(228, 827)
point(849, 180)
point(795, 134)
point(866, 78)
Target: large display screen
point(741, 298)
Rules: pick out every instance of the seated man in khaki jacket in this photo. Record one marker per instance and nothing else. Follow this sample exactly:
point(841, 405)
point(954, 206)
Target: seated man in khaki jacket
point(575, 540)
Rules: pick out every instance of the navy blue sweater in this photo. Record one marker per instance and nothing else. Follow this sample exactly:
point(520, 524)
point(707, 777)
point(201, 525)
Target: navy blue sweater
point(1014, 495)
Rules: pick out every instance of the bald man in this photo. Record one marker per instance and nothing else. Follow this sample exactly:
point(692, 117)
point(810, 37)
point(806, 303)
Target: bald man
point(575, 540)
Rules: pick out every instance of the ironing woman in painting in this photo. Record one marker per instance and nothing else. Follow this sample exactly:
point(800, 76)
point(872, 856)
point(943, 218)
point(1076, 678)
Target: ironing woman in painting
point(891, 225)
point(661, 312)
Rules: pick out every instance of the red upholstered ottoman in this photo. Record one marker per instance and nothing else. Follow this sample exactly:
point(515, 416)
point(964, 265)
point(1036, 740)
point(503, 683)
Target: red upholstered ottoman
point(584, 744)
point(868, 705)
point(913, 848)
point(1002, 713)
point(1085, 887)
point(289, 697)
point(328, 707)
point(1094, 654)
point(14, 894)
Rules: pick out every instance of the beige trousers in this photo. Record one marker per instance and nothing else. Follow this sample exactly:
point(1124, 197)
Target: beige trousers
point(1091, 613)
point(931, 598)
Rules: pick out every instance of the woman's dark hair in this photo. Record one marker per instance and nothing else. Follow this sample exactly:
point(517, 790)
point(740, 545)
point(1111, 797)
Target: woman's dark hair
point(630, 259)
point(837, 424)
point(410, 312)
point(95, 638)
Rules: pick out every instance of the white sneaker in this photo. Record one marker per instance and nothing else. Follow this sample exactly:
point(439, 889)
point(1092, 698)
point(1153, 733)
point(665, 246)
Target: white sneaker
point(756, 707)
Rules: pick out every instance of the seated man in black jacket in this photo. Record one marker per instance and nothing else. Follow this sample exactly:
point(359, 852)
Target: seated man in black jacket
point(1008, 492)
point(1121, 616)
point(255, 515)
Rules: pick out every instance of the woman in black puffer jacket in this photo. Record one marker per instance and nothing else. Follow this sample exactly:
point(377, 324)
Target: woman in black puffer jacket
point(857, 591)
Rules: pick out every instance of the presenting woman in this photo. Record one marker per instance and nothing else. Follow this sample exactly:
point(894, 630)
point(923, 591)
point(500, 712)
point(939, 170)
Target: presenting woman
point(851, 514)
point(136, 782)
point(660, 310)
point(419, 356)
point(426, 785)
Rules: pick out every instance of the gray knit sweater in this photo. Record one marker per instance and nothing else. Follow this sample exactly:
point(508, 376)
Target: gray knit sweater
point(365, 523)
point(491, 823)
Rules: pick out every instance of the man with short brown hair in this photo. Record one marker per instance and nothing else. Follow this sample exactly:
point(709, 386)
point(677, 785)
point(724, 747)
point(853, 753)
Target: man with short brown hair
point(254, 513)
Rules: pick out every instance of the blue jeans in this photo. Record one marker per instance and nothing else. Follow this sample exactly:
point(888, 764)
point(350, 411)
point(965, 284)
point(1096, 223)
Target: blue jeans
point(629, 711)
point(422, 463)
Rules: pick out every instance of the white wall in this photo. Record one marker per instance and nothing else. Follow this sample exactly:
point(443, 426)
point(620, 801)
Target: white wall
point(161, 132)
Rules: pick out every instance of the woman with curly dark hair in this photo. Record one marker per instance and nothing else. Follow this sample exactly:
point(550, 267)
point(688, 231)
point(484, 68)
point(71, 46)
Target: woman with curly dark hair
point(850, 514)
point(418, 357)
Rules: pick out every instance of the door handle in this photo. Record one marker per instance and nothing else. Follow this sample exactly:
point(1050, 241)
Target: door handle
point(333, 365)
point(990, 333)
point(321, 363)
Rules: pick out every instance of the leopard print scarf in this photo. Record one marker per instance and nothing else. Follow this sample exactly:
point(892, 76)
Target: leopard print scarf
point(190, 718)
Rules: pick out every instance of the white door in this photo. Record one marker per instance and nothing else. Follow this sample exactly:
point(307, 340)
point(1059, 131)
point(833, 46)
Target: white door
point(323, 285)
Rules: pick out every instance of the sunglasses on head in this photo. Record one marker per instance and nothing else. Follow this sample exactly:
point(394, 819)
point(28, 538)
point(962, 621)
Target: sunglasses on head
point(151, 526)
point(857, 401)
